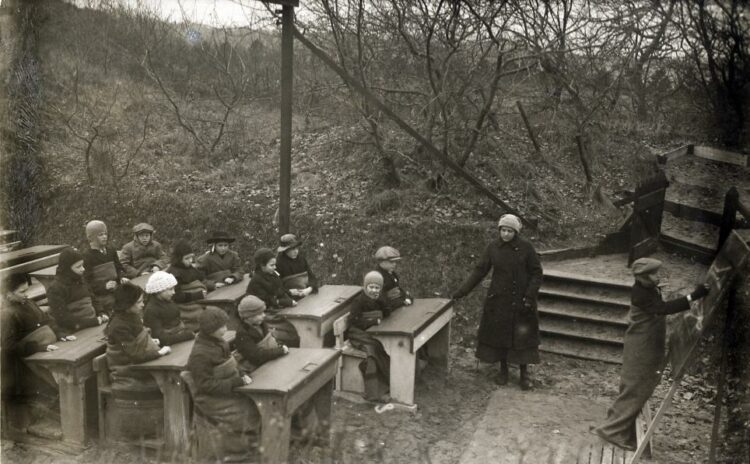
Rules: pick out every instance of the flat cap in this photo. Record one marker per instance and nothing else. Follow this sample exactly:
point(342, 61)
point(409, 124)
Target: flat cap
point(645, 265)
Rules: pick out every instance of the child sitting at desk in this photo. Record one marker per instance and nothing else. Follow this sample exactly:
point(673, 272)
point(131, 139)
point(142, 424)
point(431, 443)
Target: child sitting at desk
point(215, 374)
point(293, 268)
point(221, 265)
point(102, 269)
point(391, 294)
point(190, 284)
point(266, 285)
point(255, 343)
point(69, 298)
point(367, 310)
point(143, 255)
point(26, 330)
point(129, 342)
point(162, 315)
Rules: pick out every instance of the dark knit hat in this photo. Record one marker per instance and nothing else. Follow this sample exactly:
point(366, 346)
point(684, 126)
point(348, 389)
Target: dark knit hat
point(211, 319)
point(68, 257)
point(218, 236)
point(262, 256)
point(180, 249)
point(126, 296)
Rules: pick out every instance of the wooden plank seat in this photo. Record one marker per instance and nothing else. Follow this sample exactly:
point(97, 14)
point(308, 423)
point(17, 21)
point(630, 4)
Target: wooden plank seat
point(129, 421)
point(349, 377)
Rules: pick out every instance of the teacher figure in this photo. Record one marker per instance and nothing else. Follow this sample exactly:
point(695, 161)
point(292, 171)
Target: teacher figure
point(509, 328)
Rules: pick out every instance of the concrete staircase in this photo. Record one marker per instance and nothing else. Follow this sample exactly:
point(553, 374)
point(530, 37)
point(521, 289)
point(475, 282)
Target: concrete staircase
point(583, 317)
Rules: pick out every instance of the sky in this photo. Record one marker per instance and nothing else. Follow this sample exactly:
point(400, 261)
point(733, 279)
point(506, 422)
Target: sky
point(214, 13)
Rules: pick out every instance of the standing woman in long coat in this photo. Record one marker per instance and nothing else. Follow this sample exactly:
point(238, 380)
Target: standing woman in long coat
point(509, 328)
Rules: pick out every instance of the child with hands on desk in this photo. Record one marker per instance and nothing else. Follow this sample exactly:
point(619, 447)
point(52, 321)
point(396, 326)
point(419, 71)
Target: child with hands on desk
point(266, 285)
point(191, 285)
point(294, 269)
point(255, 343)
point(70, 301)
point(369, 309)
point(143, 255)
point(103, 271)
point(392, 294)
point(129, 342)
point(221, 265)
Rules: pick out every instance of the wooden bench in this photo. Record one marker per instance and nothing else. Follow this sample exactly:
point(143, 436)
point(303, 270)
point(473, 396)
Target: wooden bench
point(349, 377)
point(406, 330)
point(281, 386)
point(71, 366)
point(313, 315)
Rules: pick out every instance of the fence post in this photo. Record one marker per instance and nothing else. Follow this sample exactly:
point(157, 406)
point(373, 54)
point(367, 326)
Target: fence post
point(728, 216)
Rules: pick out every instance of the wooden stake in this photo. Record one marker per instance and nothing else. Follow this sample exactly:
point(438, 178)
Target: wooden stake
point(529, 128)
point(285, 147)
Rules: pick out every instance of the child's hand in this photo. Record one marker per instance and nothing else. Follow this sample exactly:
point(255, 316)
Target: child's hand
point(68, 338)
point(246, 379)
point(307, 291)
point(155, 268)
point(124, 280)
point(294, 303)
point(102, 319)
point(164, 350)
point(285, 349)
point(229, 280)
point(146, 272)
point(204, 292)
point(407, 301)
point(110, 285)
point(52, 348)
point(219, 284)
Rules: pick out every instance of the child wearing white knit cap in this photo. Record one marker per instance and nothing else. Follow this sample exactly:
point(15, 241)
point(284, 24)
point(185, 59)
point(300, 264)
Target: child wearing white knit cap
point(162, 315)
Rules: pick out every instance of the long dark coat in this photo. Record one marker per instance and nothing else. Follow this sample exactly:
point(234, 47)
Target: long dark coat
point(643, 359)
point(516, 277)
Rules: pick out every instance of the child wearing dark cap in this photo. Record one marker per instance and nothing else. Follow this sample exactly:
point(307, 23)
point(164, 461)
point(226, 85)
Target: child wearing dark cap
point(191, 285)
point(643, 355)
point(143, 255)
point(254, 341)
point(367, 310)
point(103, 271)
point(69, 297)
point(392, 294)
point(266, 285)
point(129, 342)
point(221, 265)
point(294, 269)
point(162, 315)
point(213, 376)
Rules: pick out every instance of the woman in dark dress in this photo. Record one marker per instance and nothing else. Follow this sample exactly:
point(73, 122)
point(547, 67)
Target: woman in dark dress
point(509, 328)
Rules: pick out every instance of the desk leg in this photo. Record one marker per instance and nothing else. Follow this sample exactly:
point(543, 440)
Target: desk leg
point(323, 402)
point(403, 370)
point(308, 332)
point(73, 406)
point(439, 345)
point(276, 428)
point(176, 412)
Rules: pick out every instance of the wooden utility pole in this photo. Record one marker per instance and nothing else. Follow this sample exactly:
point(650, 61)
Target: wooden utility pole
point(285, 147)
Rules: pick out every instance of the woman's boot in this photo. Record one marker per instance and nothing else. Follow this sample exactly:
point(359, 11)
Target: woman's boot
point(502, 377)
point(525, 381)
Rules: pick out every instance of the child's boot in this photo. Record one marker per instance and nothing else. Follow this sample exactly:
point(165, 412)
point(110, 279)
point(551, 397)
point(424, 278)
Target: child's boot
point(525, 381)
point(502, 377)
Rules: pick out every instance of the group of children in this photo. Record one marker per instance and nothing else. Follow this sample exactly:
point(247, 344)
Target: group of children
point(93, 288)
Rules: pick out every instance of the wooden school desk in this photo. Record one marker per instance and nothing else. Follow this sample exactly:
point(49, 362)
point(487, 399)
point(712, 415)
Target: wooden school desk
point(314, 315)
point(405, 331)
point(47, 275)
point(166, 371)
point(15, 257)
point(71, 367)
point(281, 386)
point(227, 296)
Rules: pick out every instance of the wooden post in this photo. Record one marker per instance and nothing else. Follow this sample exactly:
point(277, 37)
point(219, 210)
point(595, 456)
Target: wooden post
point(285, 165)
point(728, 216)
point(529, 128)
point(725, 341)
point(584, 161)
